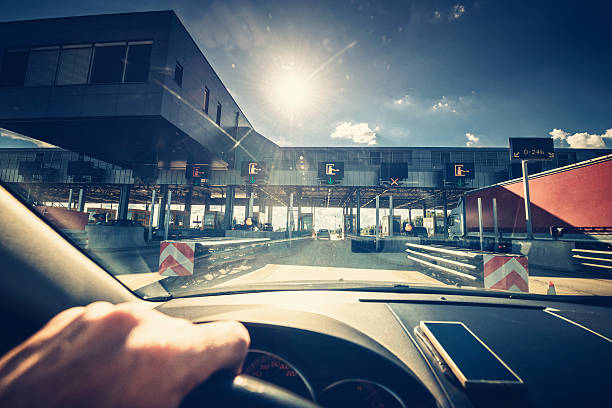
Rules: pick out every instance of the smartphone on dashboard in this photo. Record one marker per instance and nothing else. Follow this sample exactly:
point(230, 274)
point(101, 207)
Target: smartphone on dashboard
point(469, 358)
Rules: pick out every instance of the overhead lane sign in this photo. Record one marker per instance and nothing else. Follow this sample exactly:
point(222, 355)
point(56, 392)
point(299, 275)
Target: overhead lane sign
point(197, 173)
point(459, 173)
point(393, 173)
point(531, 148)
point(331, 172)
point(254, 172)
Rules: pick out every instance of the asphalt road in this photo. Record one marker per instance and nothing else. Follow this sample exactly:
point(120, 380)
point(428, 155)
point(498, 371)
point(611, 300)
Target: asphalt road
point(312, 260)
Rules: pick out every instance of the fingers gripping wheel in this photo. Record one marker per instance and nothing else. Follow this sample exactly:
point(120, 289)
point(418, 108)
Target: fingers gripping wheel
point(242, 391)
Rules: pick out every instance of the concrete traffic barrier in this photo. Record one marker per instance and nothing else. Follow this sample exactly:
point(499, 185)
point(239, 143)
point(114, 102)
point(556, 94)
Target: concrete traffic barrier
point(506, 272)
point(176, 258)
point(115, 237)
point(474, 268)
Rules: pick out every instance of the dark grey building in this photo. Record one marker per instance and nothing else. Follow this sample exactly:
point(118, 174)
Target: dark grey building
point(125, 88)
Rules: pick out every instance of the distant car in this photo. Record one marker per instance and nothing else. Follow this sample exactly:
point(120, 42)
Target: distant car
point(419, 232)
point(267, 227)
point(124, 223)
point(158, 234)
point(323, 233)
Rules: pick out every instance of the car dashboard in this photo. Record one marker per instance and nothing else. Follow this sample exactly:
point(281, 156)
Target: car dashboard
point(364, 349)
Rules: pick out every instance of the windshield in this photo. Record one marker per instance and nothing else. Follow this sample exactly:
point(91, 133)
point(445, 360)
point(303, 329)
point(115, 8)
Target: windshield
point(241, 145)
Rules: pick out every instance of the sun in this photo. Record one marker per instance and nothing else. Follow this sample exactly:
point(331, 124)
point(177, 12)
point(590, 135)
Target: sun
point(292, 92)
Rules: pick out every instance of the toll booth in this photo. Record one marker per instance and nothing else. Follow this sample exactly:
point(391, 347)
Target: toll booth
point(140, 216)
point(391, 222)
point(434, 225)
point(213, 220)
point(179, 219)
point(108, 214)
point(305, 222)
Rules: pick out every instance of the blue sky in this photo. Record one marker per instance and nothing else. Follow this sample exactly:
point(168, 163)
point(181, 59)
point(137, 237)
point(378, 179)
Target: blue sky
point(400, 73)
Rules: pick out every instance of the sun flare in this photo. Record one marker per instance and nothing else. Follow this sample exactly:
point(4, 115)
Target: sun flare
point(292, 92)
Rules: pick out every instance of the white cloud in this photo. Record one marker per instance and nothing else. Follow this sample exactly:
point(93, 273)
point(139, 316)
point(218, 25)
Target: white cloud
point(437, 15)
point(403, 101)
point(582, 139)
point(456, 12)
point(357, 132)
point(17, 136)
point(472, 140)
point(444, 105)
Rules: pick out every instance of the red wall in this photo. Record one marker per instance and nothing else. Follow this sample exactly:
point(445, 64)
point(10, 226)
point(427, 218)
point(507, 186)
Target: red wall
point(581, 197)
point(63, 218)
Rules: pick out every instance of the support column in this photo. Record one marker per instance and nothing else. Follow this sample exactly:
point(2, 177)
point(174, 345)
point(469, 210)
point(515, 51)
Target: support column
point(424, 212)
point(289, 216)
point(161, 213)
point(390, 215)
point(269, 213)
point(168, 215)
point(229, 207)
point(124, 201)
point(150, 236)
point(300, 225)
point(188, 199)
point(249, 209)
point(82, 198)
point(445, 215)
point(70, 200)
point(377, 230)
point(410, 216)
point(358, 213)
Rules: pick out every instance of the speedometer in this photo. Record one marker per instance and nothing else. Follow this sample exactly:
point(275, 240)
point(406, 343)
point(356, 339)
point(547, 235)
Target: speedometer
point(268, 367)
point(359, 394)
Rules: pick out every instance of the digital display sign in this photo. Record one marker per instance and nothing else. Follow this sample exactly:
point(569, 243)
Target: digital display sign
point(331, 172)
point(197, 173)
point(254, 171)
point(531, 148)
point(459, 171)
point(393, 173)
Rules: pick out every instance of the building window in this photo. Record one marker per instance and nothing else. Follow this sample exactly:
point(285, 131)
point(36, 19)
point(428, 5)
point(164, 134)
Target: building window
point(108, 63)
point(42, 66)
point(374, 158)
point(138, 60)
point(206, 100)
point(74, 64)
point(218, 120)
point(14, 66)
point(178, 74)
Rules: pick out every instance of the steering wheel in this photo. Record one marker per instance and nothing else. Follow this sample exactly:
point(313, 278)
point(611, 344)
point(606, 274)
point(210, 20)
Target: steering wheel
point(242, 390)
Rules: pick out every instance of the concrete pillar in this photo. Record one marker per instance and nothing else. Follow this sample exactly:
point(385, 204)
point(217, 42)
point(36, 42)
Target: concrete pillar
point(188, 199)
point(377, 230)
point(424, 209)
point(250, 202)
point(150, 235)
point(124, 201)
point(299, 211)
point(358, 215)
point(161, 213)
point(410, 215)
point(269, 213)
point(229, 207)
point(445, 198)
point(390, 215)
point(81, 206)
point(168, 215)
point(70, 200)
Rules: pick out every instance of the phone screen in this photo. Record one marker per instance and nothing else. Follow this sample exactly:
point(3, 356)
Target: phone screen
point(467, 354)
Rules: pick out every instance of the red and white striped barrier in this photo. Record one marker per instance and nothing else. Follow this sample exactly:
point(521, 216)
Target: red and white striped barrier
point(504, 272)
point(176, 258)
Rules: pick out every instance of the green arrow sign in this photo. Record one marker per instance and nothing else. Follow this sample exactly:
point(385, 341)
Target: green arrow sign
point(331, 180)
point(252, 179)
